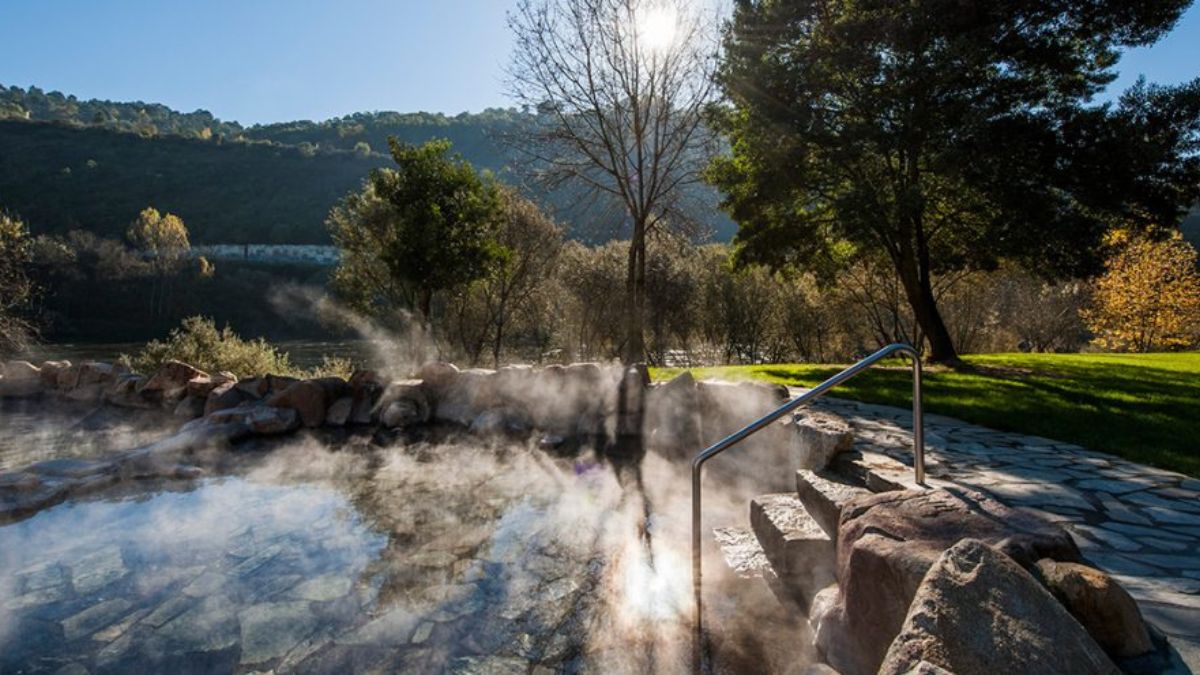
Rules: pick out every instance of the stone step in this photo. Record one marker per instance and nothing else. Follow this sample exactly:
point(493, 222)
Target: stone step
point(823, 493)
point(747, 611)
point(743, 554)
point(881, 473)
point(799, 550)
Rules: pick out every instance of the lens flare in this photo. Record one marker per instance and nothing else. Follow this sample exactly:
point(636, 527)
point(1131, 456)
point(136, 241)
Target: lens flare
point(657, 27)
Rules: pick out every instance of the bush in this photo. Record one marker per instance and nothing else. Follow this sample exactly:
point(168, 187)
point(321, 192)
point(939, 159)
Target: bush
point(197, 342)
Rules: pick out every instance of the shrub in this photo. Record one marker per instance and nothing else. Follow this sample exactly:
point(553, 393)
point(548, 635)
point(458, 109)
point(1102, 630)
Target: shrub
point(198, 342)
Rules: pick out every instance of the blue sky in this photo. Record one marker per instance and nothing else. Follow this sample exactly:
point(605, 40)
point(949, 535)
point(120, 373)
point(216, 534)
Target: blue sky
point(274, 60)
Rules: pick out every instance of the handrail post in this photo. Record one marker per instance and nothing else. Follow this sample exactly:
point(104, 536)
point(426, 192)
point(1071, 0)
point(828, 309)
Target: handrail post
point(697, 541)
point(918, 423)
point(757, 425)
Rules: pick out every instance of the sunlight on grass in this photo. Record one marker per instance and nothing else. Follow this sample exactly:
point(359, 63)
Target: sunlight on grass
point(1140, 406)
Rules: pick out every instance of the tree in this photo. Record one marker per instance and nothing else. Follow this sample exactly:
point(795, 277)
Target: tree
point(16, 289)
point(530, 243)
point(947, 135)
point(1149, 295)
point(163, 242)
point(621, 86)
point(427, 225)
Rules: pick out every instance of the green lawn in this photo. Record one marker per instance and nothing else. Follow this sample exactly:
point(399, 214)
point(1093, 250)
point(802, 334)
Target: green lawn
point(1144, 407)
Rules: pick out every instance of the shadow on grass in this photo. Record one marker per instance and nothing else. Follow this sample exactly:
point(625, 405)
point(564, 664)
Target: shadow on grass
point(1145, 408)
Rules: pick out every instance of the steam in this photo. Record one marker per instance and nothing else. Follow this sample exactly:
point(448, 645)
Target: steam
point(492, 544)
point(397, 352)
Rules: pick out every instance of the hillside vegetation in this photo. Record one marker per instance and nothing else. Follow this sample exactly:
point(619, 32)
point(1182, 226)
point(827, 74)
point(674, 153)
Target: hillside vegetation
point(71, 164)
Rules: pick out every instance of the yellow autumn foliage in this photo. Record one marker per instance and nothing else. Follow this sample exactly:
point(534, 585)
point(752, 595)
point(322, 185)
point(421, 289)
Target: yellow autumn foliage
point(1148, 297)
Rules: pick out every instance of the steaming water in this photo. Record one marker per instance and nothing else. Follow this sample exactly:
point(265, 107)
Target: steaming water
point(31, 432)
point(453, 557)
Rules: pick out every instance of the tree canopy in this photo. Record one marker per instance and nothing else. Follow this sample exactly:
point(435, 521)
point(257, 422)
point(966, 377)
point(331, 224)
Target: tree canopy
point(947, 135)
point(1149, 295)
point(16, 289)
point(427, 225)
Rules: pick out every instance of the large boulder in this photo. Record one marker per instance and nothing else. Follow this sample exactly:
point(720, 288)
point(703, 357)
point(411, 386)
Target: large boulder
point(978, 612)
point(201, 387)
point(306, 397)
point(672, 420)
point(438, 376)
point(224, 396)
point(99, 372)
point(19, 371)
point(171, 381)
point(366, 387)
point(1099, 603)
point(21, 379)
point(260, 419)
point(886, 544)
point(470, 393)
point(126, 392)
point(50, 371)
point(404, 403)
point(820, 436)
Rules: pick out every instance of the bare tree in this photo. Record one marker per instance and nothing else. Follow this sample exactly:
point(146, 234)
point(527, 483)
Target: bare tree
point(620, 87)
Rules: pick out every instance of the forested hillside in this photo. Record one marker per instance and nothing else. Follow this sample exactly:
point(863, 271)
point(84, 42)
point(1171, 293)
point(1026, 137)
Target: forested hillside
point(60, 178)
point(71, 164)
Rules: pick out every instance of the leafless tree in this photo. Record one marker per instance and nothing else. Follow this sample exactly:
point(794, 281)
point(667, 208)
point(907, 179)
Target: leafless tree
point(620, 87)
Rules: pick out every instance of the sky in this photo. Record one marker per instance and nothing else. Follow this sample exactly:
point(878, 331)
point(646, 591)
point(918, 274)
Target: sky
point(260, 61)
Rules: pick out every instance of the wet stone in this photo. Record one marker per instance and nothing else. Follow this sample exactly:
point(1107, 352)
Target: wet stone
point(272, 586)
point(257, 560)
point(116, 630)
point(97, 570)
point(322, 589)
point(206, 584)
point(168, 610)
point(424, 631)
point(269, 631)
point(41, 577)
point(209, 626)
point(94, 618)
point(72, 669)
point(72, 468)
point(41, 596)
point(489, 665)
point(391, 629)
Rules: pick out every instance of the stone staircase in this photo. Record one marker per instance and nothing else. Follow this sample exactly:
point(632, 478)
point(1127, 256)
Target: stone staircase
point(792, 539)
point(790, 546)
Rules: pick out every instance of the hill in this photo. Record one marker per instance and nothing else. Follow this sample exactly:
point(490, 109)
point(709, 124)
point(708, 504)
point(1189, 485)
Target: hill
point(60, 177)
point(67, 163)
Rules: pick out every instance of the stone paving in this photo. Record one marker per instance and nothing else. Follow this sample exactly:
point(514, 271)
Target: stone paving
point(1139, 523)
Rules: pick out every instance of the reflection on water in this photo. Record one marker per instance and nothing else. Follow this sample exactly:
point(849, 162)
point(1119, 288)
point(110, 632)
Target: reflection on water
point(422, 558)
point(31, 431)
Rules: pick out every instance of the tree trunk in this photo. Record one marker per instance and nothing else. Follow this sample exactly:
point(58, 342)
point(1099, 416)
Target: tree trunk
point(919, 290)
point(424, 303)
point(635, 286)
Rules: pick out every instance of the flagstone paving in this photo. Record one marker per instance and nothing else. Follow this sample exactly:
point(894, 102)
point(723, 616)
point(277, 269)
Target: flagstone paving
point(1139, 523)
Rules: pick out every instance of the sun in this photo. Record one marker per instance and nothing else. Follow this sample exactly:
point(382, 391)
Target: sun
point(656, 28)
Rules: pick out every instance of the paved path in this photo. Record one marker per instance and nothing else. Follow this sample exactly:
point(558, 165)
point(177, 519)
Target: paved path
point(1140, 524)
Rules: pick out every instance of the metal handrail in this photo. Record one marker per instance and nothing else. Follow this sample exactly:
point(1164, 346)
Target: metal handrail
point(758, 424)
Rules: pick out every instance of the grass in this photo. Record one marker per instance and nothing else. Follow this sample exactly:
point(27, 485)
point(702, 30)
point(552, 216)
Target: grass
point(1143, 407)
